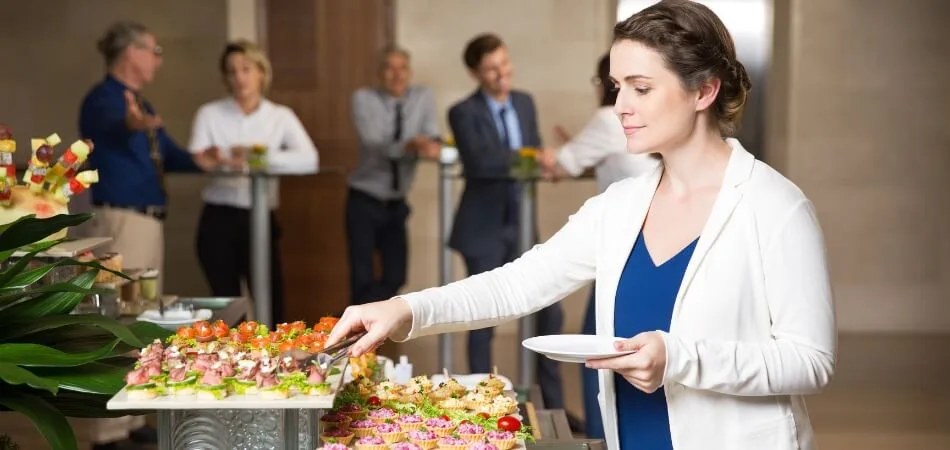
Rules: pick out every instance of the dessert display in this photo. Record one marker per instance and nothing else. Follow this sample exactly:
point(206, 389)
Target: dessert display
point(212, 361)
point(45, 191)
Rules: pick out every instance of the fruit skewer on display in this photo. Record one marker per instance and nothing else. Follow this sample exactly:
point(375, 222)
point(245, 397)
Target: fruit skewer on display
point(68, 165)
point(75, 186)
point(35, 176)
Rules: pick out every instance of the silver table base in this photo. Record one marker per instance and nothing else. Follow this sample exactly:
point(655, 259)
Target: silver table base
point(239, 429)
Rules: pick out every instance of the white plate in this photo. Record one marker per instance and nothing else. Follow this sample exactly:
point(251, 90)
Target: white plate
point(470, 380)
point(574, 348)
point(175, 318)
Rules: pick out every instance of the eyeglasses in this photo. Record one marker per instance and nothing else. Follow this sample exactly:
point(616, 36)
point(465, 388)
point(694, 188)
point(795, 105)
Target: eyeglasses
point(156, 50)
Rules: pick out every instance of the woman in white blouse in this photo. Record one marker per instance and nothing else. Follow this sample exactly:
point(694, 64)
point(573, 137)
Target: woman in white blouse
point(721, 247)
point(233, 124)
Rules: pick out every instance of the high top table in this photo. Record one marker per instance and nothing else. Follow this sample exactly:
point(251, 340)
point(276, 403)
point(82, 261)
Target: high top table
point(261, 232)
point(450, 170)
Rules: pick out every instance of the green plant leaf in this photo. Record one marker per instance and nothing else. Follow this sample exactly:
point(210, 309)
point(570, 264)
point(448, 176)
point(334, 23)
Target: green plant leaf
point(50, 422)
point(10, 299)
point(81, 404)
point(35, 355)
point(148, 332)
point(16, 330)
point(14, 374)
point(24, 261)
point(28, 229)
point(92, 378)
point(62, 301)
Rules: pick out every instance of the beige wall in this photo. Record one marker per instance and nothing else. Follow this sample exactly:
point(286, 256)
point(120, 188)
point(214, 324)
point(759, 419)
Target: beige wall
point(55, 62)
point(859, 123)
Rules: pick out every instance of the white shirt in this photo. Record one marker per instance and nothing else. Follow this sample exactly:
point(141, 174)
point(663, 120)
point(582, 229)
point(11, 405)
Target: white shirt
point(753, 325)
point(221, 123)
point(602, 143)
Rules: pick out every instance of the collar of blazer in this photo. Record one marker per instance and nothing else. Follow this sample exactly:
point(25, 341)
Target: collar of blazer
point(738, 170)
point(480, 101)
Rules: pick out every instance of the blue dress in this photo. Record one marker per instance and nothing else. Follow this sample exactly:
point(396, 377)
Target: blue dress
point(644, 302)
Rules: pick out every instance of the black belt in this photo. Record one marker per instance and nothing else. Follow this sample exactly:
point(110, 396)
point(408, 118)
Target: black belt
point(157, 212)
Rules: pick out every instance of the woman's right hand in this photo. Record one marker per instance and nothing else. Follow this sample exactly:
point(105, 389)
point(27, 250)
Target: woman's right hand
point(379, 320)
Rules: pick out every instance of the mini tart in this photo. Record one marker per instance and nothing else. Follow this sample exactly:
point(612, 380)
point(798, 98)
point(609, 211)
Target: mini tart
point(336, 420)
point(337, 435)
point(334, 446)
point(410, 422)
point(441, 428)
point(371, 443)
point(381, 415)
point(353, 411)
point(405, 446)
point(425, 439)
point(471, 432)
point(451, 443)
point(390, 432)
point(363, 427)
point(504, 440)
point(481, 446)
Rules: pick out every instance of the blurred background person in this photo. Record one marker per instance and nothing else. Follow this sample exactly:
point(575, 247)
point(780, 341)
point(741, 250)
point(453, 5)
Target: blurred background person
point(132, 152)
point(396, 123)
point(234, 124)
point(601, 144)
point(489, 127)
point(132, 149)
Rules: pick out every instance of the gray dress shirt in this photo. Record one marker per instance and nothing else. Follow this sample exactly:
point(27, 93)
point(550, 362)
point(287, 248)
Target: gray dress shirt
point(374, 116)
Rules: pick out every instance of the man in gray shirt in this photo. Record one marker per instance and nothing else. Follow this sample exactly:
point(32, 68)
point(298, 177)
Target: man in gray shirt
point(397, 124)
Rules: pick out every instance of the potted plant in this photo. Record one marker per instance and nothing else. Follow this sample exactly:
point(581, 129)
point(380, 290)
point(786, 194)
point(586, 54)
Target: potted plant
point(55, 364)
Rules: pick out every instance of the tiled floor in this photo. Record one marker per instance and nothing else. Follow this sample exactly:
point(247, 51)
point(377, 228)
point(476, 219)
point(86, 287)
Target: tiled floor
point(889, 392)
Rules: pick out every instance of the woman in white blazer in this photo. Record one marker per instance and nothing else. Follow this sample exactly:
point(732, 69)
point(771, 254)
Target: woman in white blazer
point(720, 245)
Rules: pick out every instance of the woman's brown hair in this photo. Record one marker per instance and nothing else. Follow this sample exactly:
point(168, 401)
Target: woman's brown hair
point(696, 46)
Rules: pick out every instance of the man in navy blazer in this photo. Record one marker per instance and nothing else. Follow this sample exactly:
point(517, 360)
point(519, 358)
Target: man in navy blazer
point(489, 127)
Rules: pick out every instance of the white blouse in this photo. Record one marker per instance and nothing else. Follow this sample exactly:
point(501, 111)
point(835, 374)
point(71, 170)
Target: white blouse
point(602, 143)
point(221, 123)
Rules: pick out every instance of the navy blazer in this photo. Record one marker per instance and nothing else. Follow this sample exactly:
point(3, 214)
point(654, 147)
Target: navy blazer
point(486, 164)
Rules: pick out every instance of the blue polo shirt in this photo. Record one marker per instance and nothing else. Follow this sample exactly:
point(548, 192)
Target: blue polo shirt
point(127, 175)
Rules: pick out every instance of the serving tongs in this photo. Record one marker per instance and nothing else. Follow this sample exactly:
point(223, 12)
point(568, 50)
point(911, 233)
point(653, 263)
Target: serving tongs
point(325, 359)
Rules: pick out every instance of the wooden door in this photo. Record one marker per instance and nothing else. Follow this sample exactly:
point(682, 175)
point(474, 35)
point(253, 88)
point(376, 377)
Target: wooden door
point(321, 51)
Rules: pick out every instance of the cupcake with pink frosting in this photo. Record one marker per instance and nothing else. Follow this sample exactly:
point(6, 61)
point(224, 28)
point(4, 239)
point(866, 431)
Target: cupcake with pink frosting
point(390, 432)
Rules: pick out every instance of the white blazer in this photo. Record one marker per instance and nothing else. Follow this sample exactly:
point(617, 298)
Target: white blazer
point(753, 327)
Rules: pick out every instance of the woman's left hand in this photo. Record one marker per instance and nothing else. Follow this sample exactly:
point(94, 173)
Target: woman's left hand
point(645, 367)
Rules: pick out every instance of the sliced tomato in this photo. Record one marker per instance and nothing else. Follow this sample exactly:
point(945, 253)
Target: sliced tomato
point(286, 346)
point(509, 423)
point(186, 332)
point(373, 401)
point(283, 328)
point(298, 326)
point(445, 417)
point(483, 415)
point(260, 342)
point(248, 328)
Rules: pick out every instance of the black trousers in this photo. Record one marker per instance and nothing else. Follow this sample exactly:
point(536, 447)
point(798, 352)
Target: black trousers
point(549, 320)
point(375, 226)
point(224, 252)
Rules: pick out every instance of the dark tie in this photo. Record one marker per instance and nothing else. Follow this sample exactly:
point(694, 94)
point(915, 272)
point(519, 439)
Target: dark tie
point(153, 148)
point(397, 136)
point(511, 213)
